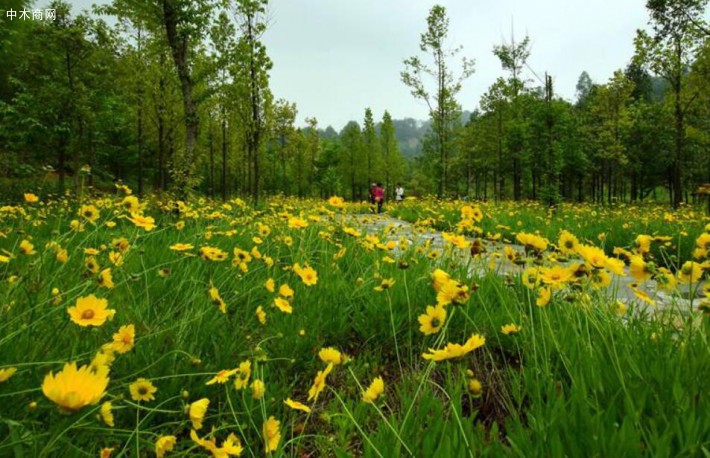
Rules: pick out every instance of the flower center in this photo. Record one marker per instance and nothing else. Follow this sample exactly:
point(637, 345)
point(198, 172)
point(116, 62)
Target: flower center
point(87, 314)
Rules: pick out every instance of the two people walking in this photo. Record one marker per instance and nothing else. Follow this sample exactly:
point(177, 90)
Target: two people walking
point(377, 195)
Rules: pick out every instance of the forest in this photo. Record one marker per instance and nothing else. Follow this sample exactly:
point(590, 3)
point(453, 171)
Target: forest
point(175, 96)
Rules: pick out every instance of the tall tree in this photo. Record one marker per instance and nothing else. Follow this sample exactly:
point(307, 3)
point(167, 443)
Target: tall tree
point(442, 104)
point(392, 159)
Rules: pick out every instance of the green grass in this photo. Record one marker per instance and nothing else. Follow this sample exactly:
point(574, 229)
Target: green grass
point(578, 379)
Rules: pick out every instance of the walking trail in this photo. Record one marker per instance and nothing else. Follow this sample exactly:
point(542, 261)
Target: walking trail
point(390, 228)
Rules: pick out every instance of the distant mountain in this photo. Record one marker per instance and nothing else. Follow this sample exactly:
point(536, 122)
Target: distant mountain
point(410, 133)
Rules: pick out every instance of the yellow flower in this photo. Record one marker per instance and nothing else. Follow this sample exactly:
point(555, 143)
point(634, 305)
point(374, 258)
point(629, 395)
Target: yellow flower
point(243, 374)
point(142, 390)
point(222, 376)
point(690, 272)
point(90, 311)
point(336, 202)
point(31, 198)
point(453, 350)
point(330, 355)
point(89, 212)
point(217, 299)
point(285, 291)
point(270, 285)
point(432, 321)
point(5, 374)
point(131, 204)
point(475, 387)
point(124, 339)
point(181, 247)
point(258, 388)
point(376, 388)
point(209, 253)
point(567, 242)
point(261, 315)
point(164, 444)
point(643, 243)
point(386, 283)
point(319, 382)
point(531, 277)
point(272, 434)
point(145, 222)
point(62, 255)
point(555, 276)
point(543, 297)
point(532, 241)
point(72, 388)
point(440, 278)
point(510, 329)
point(231, 446)
point(639, 269)
point(297, 405)
point(452, 291)
point(197, 412)
point(107, 414)
point(27, 248)
point(283, 305)
point(297, 223)
point(105, 452)
point(308, 274)
point(105, 279)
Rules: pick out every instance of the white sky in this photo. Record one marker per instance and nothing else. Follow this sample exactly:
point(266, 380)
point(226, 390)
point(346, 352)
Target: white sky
point(334, 58)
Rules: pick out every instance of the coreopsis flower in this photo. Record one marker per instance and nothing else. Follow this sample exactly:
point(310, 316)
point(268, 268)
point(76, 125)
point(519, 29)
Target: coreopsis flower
point(142, 390)
point(180, 225)
point(105, 452)
point(62, 255)
point(106, 414)
point(567, 243)
point(231, 446)
point(241, 381)
point(440, 278)
point(121, 244)
point(197, 411)
point(544, 296)
point(258, 388)
point(453, 350)
point(261, 315)
point(555, 276)
point(124, 339)
point(330, 355)
point(31, 198)
point(209, 253)
point(217, 299)
point(222, 376)
point(5, 259)
point(600, 279)
point(181, 247)
point(241, 257)
point(90, 311)
point(594, 256)
point(308, 274)
point(386, 283)
point(73, 388)
point(531, 277)
point(690, 272)
point(91, 265)
point(297, 405)
point(283, 305)
point(452, 292)
point(270, 285)
point(640, 269)
point(376, 388)
point(145, 222)
point(6, 373)
point(643, 244)
point(131, 204)
point(337, 202)
point(285, 291)
point(432, 321)
point(164, 444)
point(319, 382)
point(89, 212)
point(532, 241)
point(665, 281)
point(101, 363)
point(27, 248)
point(643, 296)
point(105, 279)
point(510, 328)
point(297, 223)
point(272, 434)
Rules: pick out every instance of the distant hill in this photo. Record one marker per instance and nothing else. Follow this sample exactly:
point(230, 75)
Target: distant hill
point(410, 133)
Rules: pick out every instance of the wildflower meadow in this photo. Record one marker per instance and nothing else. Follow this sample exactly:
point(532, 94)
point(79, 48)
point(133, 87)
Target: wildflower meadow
point(153, 326)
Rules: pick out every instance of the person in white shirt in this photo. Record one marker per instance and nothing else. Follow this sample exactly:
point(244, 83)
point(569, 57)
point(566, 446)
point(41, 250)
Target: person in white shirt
point(399, 193)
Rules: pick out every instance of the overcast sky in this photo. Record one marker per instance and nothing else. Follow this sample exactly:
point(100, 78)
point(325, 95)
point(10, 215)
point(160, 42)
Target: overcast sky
point(334, 58)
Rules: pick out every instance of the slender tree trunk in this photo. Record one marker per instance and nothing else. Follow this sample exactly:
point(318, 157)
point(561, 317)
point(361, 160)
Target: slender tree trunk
point(224, 154)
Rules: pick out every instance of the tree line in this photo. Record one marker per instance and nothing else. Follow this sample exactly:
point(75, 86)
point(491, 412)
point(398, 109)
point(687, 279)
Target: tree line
point(173, 95)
